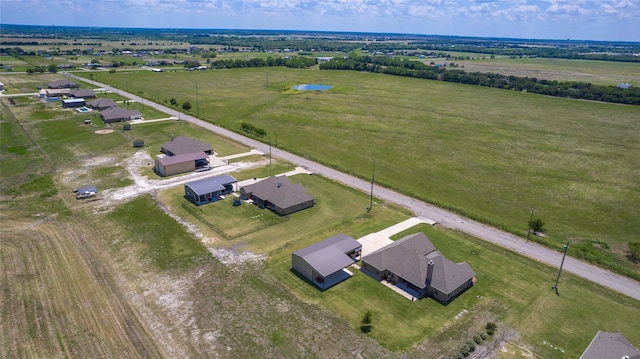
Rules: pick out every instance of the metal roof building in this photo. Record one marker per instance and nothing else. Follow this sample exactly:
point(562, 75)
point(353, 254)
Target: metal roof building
point(209, 189)
point(322, 263)
point(172, 165)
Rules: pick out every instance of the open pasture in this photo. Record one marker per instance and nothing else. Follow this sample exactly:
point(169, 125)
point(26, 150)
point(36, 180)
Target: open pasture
point(489, 154)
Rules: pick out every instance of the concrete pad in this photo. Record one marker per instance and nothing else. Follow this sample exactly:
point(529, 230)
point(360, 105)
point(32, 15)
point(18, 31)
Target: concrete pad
point(374, 241)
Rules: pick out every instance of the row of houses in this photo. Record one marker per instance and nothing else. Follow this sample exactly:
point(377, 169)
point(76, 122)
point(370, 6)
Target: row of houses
point(411, 263)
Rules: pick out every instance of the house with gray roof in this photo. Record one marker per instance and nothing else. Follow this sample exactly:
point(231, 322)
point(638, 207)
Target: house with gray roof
point(62, 84)
point(118, 114)
point(278, 194)
point(82, 93)
point(102, 103)
point(209, 189)
point(188, 162)
point(414, 264)
point(610, 346)
point(183, 145)
point(324, 263)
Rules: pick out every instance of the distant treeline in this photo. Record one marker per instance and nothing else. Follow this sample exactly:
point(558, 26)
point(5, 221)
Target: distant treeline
point(570, 89)
point(293, 62)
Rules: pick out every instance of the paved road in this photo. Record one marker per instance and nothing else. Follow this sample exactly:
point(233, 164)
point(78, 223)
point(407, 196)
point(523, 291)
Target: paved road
point(542, 254)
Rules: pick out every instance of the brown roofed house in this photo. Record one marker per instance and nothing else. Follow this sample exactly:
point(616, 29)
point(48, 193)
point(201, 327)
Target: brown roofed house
point(102, 103)
point(62, 84)
point(412, 262)
point(117, 114)
point(182, 145)
point(279, 195)
point(82, 93)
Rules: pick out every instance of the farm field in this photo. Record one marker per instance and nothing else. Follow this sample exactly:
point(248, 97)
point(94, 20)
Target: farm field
point(489, 154)
point(155, 288)
point(596, 72)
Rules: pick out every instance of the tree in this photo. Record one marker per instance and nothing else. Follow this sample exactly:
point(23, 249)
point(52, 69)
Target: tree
point(186, 105)
point(367, 319)
point(536, 225)
point(53, 68)
point(173, 101)
point(634, 250)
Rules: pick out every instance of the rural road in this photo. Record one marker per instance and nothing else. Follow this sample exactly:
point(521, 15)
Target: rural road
point(542, 254)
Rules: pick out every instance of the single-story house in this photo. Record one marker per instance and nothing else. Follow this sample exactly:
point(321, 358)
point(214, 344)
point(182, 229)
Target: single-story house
point(610, 346)
point(182, 145)
point(209, 189)
point(73, 103)
point(322, 263)
point(414, 263)
point(117, 114)
point(56, 92)
point(278, 194)
point(171, 165)
point(62, 84)
point(102, 103)
point(82, 93)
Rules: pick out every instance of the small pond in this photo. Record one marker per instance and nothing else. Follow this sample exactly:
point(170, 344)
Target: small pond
point(312, 87)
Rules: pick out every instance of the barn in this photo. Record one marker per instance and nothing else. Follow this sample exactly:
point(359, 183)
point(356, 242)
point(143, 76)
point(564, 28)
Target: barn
point(209, 189)
point(324, 263)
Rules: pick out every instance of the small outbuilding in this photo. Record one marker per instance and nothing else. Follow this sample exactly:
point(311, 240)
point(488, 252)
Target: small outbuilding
point(172, 165)
point(138, 143)
point(324, 263)
point(209, 189)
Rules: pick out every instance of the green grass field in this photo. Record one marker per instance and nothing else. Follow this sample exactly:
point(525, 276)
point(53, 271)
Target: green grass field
point(489, 154)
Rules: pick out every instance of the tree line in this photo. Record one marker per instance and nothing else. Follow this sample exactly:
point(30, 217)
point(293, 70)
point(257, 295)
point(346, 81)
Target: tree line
point(569, 89)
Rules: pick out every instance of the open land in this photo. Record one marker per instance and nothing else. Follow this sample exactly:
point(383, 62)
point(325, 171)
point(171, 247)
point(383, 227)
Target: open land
point(149, 285)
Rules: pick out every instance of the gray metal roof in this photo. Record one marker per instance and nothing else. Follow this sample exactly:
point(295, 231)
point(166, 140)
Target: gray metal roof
point(330, 255)
point(409, 257)
point(610, 346)
point(181, 145)
point(280, 191)
point(172, 160)
point(209, 185)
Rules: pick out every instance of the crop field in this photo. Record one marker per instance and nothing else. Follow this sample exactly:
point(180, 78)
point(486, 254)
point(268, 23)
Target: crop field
point(489, 154)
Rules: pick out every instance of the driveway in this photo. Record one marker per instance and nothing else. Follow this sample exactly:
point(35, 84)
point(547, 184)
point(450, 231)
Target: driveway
point(374, 241)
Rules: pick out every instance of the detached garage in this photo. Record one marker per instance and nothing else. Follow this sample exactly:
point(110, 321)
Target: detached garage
point(324, 263)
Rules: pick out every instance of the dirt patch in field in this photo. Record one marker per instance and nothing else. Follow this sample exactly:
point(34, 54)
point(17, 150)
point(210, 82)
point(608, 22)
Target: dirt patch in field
point(104, 132)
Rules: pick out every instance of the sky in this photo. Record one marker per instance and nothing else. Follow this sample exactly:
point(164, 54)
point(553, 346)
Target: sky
point(610, 20)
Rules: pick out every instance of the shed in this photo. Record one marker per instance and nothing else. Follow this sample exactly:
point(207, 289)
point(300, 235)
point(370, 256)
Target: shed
point(138, 143)
point(209, 189)
point(322, 263)
point(126, 126)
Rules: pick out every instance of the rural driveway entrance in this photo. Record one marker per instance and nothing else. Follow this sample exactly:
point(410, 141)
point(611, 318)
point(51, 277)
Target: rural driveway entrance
point(374, 241)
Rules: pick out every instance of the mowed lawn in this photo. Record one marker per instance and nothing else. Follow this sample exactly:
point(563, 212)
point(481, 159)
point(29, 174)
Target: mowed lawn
point(489, 154)
point(510, 289)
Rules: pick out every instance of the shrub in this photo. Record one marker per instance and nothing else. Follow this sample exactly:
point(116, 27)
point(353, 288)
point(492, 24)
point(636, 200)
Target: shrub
point(634, 250)
point(484, 336)
point(367, 319)
point(464, 350)
point(491, 328)
point(471, 344)
point(477, 339)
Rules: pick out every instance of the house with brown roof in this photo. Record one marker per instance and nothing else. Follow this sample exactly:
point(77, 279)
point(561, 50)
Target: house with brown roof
point(323, 263)
point(610, 346)
point(117, 114)
point(82, 93)
point(188, 162)
point(183, 145)
point(278, 194)
point(62, 84)
point(414, 264)
point(102, 103)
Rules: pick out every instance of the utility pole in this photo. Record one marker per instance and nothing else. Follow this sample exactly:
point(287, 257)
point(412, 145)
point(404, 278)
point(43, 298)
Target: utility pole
point(276, 137)
point(530, 224)
point(269, 152)
point(373, 175)
point(560, 270)
point(267, 84)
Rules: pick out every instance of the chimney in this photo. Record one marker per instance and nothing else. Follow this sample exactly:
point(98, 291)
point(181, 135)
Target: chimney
point(279, 184)
point(429, 271)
